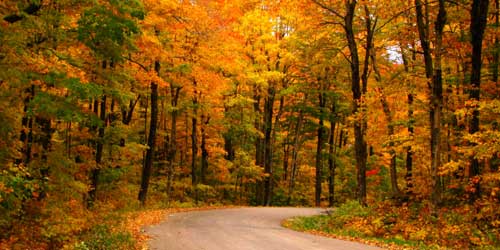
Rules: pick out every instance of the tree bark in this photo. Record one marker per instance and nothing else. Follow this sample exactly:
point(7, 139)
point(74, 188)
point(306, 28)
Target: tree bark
point(94, 178)
point(409, 153)
point(479, 14)
point(392, 152)
point(436, 105)
point(172, 147)
point(319, 150)
point(127, 113)
point(410, 127)
point(332, 158)
point(423, 32)
point(496, 50)
point(359, 134)
point(268, 156)
point(194, 138)
point(295, 152)
point(204, 151)
point(148, 162)
point(26, 136)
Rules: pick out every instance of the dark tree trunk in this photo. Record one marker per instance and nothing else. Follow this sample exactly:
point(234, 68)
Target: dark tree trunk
point(172, 147)
point(319, 150)
point(194, 144)
point(494, 69)
point(409, 153)
point(229, 147)
point(26, 136)
point(390, 133)
point(496, 50)
point(204, 151)
point(94, 178)
point(295, 152)
point(331, 158)
point(479, 14)
point(359, 134)
point(268, 156)
point(259, 146)
point(45, 138)
point(433, 71)
point(127, 113)
point(436, 105)
point(423, 32)
point(148, 162)
point(286, 158)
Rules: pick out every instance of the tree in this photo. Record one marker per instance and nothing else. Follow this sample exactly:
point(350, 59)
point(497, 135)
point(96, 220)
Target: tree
point(479, 14)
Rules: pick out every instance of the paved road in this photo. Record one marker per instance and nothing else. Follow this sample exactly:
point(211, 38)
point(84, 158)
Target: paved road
point(240, 229)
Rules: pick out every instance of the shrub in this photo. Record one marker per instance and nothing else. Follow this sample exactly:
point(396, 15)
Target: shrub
point(102, 238)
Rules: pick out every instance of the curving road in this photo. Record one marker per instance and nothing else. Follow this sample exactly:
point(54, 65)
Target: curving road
point(240, 229)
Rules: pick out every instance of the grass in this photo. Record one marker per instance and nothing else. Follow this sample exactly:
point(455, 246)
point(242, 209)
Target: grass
point(323, 225)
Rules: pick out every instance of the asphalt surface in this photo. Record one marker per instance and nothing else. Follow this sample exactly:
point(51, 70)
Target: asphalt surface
point(240, 229)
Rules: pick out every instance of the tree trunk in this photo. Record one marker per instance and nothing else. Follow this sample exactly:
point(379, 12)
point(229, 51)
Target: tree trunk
point(194, 141)
point(496, 50)
point(172, 147)
point(390, 127)
point(94, 178)
point(319, 151)
point(392, 152)
point(479, 14)
point(268, 156)
point(409, 153)
point(204, 151)
point(127, 113)
point(331, 158)
point(286, 157)
point(433, 71)
point(423, 32)
point(436, 105)
point(229, 147)
point(295, 152)
point(26, 136)
point(148, 162)
point(259, 142)
point(359, 134)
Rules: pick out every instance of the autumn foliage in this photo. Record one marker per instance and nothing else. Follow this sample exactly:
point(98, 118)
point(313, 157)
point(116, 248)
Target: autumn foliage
point(107, 107)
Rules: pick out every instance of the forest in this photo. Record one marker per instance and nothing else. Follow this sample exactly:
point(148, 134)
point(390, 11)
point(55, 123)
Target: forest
point(390, 109)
